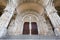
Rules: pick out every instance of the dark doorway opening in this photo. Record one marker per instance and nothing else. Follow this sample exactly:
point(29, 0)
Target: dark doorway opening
point(34, 29)
point(26, 28)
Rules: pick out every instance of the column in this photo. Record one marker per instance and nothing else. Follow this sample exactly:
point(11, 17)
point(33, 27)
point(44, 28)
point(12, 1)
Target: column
point(6, 17)
point(18, 28)
point(52, 14)
point(30, 25)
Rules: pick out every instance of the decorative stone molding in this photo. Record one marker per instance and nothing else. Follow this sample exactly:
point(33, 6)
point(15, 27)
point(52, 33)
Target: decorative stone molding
point(18, 29)
point(6, 17)
point(13, 4)
point(55, 19)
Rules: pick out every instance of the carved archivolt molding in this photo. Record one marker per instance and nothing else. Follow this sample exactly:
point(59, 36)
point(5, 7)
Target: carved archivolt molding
point(30, 7)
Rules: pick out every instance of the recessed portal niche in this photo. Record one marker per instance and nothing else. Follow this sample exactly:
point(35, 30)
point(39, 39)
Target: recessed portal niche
point(30, 30)
point(30, 25)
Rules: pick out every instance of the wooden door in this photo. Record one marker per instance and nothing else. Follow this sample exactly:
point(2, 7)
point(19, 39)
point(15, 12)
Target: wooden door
point(26, 28)
point(34, 29)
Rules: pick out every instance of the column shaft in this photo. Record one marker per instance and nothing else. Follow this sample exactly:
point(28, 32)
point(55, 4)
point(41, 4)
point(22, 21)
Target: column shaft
point(55, 19)
point(6, 17)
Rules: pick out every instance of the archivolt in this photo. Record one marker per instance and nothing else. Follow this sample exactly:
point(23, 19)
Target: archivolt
point(30, 6)
point(34, 14)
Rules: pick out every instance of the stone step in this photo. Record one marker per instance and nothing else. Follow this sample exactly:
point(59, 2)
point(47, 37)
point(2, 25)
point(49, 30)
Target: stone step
point(31, 37)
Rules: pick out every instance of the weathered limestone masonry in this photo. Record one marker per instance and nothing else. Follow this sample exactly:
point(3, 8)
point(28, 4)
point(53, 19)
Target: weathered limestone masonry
point(6, 17)
point(52, 14)
point(9, 12)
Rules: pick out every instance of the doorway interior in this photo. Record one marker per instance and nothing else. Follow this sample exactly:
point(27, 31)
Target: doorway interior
point(32, 30)
point(30, 25)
